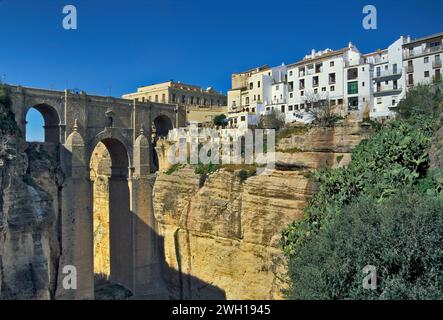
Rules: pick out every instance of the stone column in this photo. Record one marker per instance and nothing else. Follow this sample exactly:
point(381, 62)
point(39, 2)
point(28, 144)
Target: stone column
point(147, 262)
point(76, 221)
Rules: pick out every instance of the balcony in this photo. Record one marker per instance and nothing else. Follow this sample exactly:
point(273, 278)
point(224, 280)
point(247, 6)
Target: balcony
point(427, 50)
point(387, 74)
point(436, 64)
point(388, 91)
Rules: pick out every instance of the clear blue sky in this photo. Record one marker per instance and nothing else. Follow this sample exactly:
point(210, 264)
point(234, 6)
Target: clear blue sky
point(120, 45)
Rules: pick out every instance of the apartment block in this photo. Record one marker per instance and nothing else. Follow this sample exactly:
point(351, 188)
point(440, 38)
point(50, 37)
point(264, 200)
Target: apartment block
point(346, 79)
point(422, 59)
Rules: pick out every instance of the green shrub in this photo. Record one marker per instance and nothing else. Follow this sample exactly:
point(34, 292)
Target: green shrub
point(392, 159)
point(422, 99)
point(401, 237)
point(173, 168)
point(8, 125)
point(220, 120)
point(206, 169)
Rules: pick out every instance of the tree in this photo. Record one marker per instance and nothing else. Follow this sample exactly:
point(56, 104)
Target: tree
point(320, 109)
point(220, 120)
point(422, 99)
point(400, 237)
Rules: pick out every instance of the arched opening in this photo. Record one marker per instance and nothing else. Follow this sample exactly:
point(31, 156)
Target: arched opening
point(42, 124)
point(112, 218)
point(162, 126)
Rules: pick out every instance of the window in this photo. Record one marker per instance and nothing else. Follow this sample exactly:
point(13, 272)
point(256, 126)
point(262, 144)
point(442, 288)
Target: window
point(282, 108)
point(192, 100)
point(437, 74)
point(331, 64)
point(393, 102)
point(410, 79)
point(247, 101)
point(332, 88)
point(301, 84)
point(173, 97)
point(289, 108)
point(315, 90)
point(386, 82)
point(426, 59)
point(378, 100)
point(363, 84)
point(255, 97)
point(290, 73)
point(276, 87)
point(291, 86)
point(258, 84)
point(318, 67)
point(352, 73)
point(395, 85)
point(291, 95)
point(302, 106)
point(251, 85)
point(258, 98)
point(426, 74)
point(302, 93)
point(353, 87)
point(156, 98)
point(363, 69)
point(253, 110)
point(340, 101)
point(378, 71)
point(163, 97)
point(323, 89)
point(242, 118)
point(332, 78)
point(315, 81)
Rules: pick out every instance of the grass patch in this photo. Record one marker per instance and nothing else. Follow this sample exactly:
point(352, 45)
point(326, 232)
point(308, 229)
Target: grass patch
point(287, 132)
point(339, 158)
point(173, 168)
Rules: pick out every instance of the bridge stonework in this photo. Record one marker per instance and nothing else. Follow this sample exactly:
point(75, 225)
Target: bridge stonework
point(76, 123)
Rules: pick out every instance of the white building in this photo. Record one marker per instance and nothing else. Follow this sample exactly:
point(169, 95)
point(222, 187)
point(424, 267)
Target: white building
point(422, 59)
point(340, 77)
point(348, 80)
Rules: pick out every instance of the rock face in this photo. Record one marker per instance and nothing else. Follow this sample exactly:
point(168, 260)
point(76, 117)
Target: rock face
point(222, 237)
point(28, 222)
point(221, 234)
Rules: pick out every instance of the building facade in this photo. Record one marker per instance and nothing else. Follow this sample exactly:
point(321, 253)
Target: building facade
point(345, 79)
point(178, 93)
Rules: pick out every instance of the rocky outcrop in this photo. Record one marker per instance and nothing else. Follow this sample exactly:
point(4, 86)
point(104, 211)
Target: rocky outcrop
point(226, 232)
point(436, 151)
point(221, 234)
point(28, 222)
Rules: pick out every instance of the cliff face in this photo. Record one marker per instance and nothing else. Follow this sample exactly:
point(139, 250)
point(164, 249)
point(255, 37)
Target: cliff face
point(28, 233)
point(225, 232)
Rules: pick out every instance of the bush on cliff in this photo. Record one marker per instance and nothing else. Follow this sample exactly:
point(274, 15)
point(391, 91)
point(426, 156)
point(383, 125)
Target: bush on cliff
point(7, 118)
point(385, 209)
point(401, 237)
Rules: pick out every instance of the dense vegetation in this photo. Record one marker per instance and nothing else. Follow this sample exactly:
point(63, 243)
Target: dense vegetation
point(7, 119)
point(385, 209)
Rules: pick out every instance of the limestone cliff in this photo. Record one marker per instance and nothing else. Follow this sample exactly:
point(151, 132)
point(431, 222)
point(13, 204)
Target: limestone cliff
point(28, 225)
point(221, 234)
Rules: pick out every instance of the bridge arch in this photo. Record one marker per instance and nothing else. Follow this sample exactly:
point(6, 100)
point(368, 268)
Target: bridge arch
point(162, 124)
point(112, 216)
point(51, 121)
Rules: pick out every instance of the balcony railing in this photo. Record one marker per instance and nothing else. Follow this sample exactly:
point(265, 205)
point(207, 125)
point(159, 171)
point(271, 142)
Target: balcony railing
point(427, 50)
point(382, 91)
point(436, 64)
point(387, 73)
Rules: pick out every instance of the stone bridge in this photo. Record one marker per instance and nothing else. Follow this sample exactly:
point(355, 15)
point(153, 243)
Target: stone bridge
point(75, 124)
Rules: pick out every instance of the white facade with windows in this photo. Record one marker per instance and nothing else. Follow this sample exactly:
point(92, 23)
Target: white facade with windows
point(345, 78)
point(422, 59)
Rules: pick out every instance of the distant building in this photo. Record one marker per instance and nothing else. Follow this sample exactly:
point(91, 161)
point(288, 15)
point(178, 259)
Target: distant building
point(179, 93)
